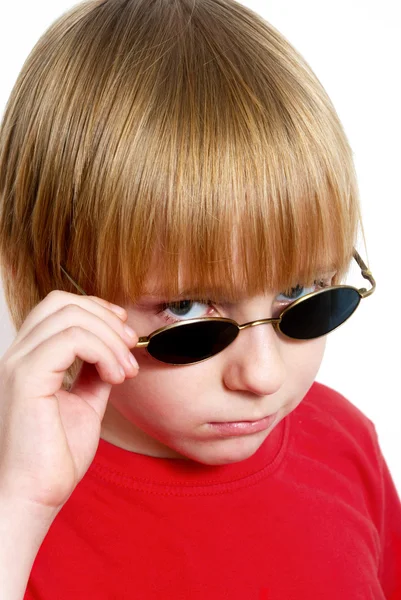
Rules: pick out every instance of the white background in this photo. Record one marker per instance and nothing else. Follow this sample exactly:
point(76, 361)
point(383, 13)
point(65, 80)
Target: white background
point(354, 47)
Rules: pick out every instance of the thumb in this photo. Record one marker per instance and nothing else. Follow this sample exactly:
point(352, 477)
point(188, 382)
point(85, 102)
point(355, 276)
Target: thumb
point(91, 389)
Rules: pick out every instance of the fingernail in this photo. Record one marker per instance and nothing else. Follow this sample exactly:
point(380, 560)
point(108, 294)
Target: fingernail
point(129, 331)
point(118, 310)
point(133, 361)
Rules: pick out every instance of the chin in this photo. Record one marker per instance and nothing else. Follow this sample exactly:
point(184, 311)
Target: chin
point(225, 451)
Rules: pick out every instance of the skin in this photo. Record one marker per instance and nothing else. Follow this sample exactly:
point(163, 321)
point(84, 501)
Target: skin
point(164, 411)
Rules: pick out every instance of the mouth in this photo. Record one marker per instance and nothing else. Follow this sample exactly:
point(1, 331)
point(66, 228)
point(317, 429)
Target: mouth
point(230, 428)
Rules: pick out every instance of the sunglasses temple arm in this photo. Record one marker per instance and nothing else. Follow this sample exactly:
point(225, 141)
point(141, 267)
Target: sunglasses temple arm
point(73, 282)
point(143, 342)
point(367, 274)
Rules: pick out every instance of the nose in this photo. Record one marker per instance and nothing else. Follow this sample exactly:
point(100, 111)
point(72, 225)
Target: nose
point(254, 362)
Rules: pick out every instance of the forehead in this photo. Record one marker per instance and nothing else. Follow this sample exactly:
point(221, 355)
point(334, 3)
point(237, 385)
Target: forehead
point(155, 285)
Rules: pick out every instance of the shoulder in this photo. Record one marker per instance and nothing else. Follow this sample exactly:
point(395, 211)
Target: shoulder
point(336, 444)
point(330, 412)
point(324, 400)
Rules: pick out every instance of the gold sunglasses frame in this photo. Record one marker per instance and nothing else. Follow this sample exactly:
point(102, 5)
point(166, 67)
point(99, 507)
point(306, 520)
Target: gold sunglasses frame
point(144, 341)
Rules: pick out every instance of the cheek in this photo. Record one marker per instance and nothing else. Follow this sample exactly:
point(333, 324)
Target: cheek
point(161, 390)
point(311, 358)
point(306, 365)
point(314, 349)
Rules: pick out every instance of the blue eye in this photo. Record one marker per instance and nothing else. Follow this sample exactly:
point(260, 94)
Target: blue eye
point(296, 292)
point(182, 310)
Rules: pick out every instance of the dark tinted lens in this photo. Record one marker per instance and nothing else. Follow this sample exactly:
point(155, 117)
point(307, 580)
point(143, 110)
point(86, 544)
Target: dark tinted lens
point(320, 314)
point(192, 342)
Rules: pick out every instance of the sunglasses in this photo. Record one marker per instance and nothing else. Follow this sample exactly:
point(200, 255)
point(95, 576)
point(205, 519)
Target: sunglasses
point(312, 316)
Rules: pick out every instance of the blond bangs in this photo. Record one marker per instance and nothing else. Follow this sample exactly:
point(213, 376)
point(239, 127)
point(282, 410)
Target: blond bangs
point(179, 137)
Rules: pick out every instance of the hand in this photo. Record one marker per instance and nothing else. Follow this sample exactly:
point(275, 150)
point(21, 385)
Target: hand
point(49, 436)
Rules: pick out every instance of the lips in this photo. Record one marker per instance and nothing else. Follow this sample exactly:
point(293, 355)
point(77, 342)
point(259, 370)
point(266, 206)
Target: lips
point(230, 428)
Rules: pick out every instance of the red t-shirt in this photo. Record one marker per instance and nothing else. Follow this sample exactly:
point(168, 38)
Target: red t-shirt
point(313, 514)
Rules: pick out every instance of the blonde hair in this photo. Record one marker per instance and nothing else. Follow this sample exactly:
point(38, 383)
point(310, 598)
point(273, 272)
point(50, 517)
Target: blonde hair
point(187, 129)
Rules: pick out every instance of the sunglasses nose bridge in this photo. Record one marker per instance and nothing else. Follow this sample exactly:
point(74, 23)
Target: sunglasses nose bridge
point(259, 322)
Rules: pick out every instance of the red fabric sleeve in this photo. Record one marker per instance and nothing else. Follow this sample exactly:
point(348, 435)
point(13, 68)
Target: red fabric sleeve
point(390, 532)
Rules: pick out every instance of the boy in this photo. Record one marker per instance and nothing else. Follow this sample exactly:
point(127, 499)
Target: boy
point(180, 159)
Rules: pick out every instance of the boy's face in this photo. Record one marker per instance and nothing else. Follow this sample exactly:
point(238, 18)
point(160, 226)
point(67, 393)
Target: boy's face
point(165, 410)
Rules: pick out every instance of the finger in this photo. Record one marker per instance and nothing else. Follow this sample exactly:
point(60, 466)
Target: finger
point(71, 317)
point(99, 320)
point(56, 300)
point(40, 373)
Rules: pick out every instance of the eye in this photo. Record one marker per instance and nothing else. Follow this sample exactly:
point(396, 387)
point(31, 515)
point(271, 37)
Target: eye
point(181, 310)
point(296, 293)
